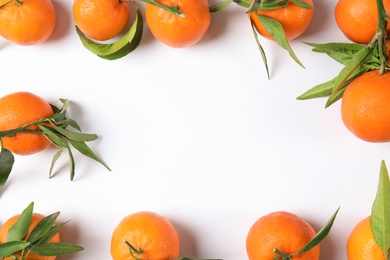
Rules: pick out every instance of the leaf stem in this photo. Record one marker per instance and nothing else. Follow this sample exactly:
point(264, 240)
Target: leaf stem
point(173, 9)
point(382, 35)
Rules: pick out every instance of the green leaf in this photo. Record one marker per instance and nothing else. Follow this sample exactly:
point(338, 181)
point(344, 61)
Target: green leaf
point(42, 227)
point(126, 44)
point(49, 234)
point(84, 149)
point(6, 162)
point(54, 160)
point(277, 32)
point(380, 213)
point(19, 229)
point(56, 249)
point(321, 235)
point(71, 164)
point(53, 137)
point(9, 248)
point(321, 90)
point(340, 52)
point(354, 64)
point(69, 122)
point(220, 6)
point(75, 136)
point(262, 52)
point(302, 4)
point(255, 4)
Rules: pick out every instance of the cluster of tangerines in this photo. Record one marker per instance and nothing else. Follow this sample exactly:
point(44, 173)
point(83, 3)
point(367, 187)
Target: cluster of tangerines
point(29, 124)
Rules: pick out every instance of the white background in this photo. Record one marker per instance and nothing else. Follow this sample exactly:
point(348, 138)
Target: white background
point(197, 134)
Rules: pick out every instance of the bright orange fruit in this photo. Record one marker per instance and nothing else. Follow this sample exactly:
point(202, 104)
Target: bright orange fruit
point(358, 19)
point(101, 19)
point(176, 31)
point(280, 230)
point(152, 236)
point(294, 19)
point(365, 108)
point(27, 22)
point(18, 109)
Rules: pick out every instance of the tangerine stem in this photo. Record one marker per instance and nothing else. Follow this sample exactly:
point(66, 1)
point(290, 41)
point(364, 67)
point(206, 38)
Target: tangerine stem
point(283, 255)
point(382, 35)
point(23, 129)
point(132, 248)
point(1, 6)
point(173, 9)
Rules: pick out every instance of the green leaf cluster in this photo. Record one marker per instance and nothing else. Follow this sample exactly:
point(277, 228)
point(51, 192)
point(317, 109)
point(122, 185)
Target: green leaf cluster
point(271, 25)
point(357, 59)
point(57, 130)
point(380, 212)
point(37, 241)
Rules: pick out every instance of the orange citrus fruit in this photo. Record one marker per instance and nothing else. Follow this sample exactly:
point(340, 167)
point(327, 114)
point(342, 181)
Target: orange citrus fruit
point(176, 31)
point(145, 235)
point(36, 218)
point(294, 19)
point(361, 244)
point(18, 109)
point(101, 19)
point(280, 230)
point(358, 19)
point(27, 22)
point(365, 109)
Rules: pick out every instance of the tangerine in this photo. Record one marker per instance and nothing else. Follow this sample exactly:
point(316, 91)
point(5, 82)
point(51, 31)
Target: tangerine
point(280, 230)
point(294, 19)
point(176, 31)
point(365, 107)
point(18, 109)
point(27, 22)
point(101, 19)
point(36, 218)
point(361, 244)
point(358, 19)
point(145, 235)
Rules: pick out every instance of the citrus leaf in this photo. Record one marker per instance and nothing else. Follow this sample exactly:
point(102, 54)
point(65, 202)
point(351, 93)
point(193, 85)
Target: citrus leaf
point(321, 235)
point(320, 90)
point(340, 52)
point(9, 248)
point(380, 213)
point(6, 162)
point(254, 6)
point(262, 52)
point(84, 149)
point(53, 137)
point(120, 48)
point(69, 122)
point(42, 227)
point(220, 6)
point(172, 9)
point(302, 4)
point(49, 234)
point(75, 136)
point(19, 229)
point(277, 32)
point(56, 249)
point(354, 64)
point(71, 164)
point(54, 160)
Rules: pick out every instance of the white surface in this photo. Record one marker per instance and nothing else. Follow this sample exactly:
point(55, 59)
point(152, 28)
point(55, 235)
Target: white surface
point(198, 135)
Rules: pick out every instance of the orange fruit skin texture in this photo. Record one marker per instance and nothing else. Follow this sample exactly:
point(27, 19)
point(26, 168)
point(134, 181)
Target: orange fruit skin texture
point(175, 31)
point(101, 19)
point(36, 217)
point(358, 19)
point(361, 244)
point(365, 109)
point(282, 230)
point(294, 19)
point(145, 230)
point(18, 109)
point(31, 23)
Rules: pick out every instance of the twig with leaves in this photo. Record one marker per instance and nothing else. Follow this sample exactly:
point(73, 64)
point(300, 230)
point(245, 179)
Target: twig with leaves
point(56, 130)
